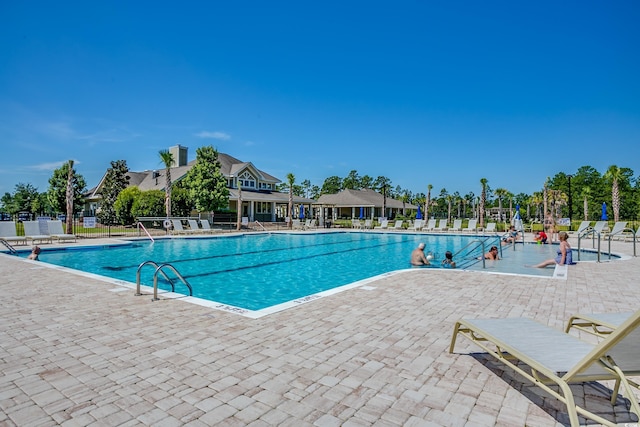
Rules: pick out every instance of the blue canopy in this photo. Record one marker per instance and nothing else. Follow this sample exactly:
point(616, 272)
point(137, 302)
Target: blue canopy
point(604, 211)
point(419, 214)
point(361, 212)
point(301, 211)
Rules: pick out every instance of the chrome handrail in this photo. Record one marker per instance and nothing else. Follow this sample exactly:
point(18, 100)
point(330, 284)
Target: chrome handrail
point(155, 280)
point(138, 272)
point(586, 234)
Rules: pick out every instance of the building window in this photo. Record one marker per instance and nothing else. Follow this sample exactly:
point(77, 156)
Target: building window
point(263, 207)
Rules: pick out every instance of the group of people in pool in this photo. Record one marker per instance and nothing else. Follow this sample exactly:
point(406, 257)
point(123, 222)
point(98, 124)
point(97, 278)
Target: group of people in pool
point(419, 259)
point(563, 257)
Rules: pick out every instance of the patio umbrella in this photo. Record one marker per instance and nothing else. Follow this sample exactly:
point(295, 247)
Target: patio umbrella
point(419, 214)
point(361, 212)
point(301, 211)
point(604, 211)
point(518, 212)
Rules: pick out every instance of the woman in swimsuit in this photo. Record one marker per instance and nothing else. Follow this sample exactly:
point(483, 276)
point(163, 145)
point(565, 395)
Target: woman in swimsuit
point(564, 256)
point(550, 226)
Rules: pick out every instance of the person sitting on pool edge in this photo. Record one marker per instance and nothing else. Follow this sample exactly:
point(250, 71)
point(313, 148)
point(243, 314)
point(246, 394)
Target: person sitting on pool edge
point(492, 254)
point(448, 261)
point(541, 237)
point(511, 237)
point(565, 255)
point(417, 256)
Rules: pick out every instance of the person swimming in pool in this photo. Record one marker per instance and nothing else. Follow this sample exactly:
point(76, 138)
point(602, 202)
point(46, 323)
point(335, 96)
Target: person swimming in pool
point(492, 254)
point(564, 256)
point(418, 258)
point(35, 252)
point(448, 261)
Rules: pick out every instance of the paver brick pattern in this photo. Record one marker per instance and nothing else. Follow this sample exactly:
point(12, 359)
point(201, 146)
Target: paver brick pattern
point(74, 353)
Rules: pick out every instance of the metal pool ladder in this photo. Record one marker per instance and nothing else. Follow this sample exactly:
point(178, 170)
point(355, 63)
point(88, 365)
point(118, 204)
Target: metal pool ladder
point(159, 269)
point(8, 246)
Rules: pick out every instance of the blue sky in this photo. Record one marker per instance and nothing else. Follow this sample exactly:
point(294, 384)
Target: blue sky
point(423, 92)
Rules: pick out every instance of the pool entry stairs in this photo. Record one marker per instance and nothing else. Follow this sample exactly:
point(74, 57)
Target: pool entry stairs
point(159, 269)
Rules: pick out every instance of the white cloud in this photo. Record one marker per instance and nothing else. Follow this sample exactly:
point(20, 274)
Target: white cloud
point(214, 135)
point(52, 165)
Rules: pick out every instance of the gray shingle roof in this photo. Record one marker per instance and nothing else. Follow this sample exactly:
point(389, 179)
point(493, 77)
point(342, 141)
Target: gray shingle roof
point(365, 198)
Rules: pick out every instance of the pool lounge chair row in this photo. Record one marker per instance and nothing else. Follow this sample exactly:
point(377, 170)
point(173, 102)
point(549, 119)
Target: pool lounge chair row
point(194, 228)
point(36, 231)
point(553, 359)
point(435, 226)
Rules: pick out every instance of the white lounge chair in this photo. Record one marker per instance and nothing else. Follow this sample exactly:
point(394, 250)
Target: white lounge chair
point(417, 225)
point(398, 225)
point(618, 229)
point(206, 227)
point(32, 232)
point(309, 224)
point(367, 224)
point(490, 228)
point(9, 234)
point(544, 356)
point(383, 224)
point(471, 228)
point(194, 227)
point(442, 226)
point(600, 227)
point(431, 225)
point(584, 226)
point(178, 228)
point(457, 225)
point(296, 224)
point(56, 231)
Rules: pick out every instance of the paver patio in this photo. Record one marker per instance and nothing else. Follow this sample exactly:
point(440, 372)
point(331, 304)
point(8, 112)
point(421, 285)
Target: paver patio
point(76, 351)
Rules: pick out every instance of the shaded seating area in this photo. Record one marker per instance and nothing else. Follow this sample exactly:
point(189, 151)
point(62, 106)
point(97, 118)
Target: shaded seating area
point(553, 359)
point(9, 234)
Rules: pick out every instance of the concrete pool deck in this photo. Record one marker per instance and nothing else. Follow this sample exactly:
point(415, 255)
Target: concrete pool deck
point(77, 351)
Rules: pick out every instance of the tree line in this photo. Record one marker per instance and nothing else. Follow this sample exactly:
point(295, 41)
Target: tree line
point(204, 188)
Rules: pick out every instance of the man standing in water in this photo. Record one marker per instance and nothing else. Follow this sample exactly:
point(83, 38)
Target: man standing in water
point(417, 256)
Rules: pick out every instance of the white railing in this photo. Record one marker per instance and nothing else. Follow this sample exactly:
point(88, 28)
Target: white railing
point(145, 230)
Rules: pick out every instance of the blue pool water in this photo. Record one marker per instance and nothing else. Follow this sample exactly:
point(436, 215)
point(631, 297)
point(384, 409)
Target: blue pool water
point(261, 270)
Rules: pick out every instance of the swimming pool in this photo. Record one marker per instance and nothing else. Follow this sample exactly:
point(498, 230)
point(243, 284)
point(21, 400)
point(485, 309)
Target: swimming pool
point(256, 271)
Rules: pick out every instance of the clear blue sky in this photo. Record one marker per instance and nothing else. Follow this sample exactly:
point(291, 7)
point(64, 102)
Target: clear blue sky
point(423, 92)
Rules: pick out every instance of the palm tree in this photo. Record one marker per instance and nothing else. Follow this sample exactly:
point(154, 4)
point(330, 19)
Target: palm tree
point(614, 174)
point(69, 196)
point(449, 201)
point(483, 200)
point(291, 179)
point(500, 193)
point(167, 159)
point(428, 202)
point(586, 192)
point(545, 196)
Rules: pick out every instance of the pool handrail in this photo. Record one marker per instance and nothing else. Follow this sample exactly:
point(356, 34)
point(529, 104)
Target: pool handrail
point(155, 278)
point(145, 230)
point(592, 231)
point(482, 245)
point(173, 289)
point(12, 250)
